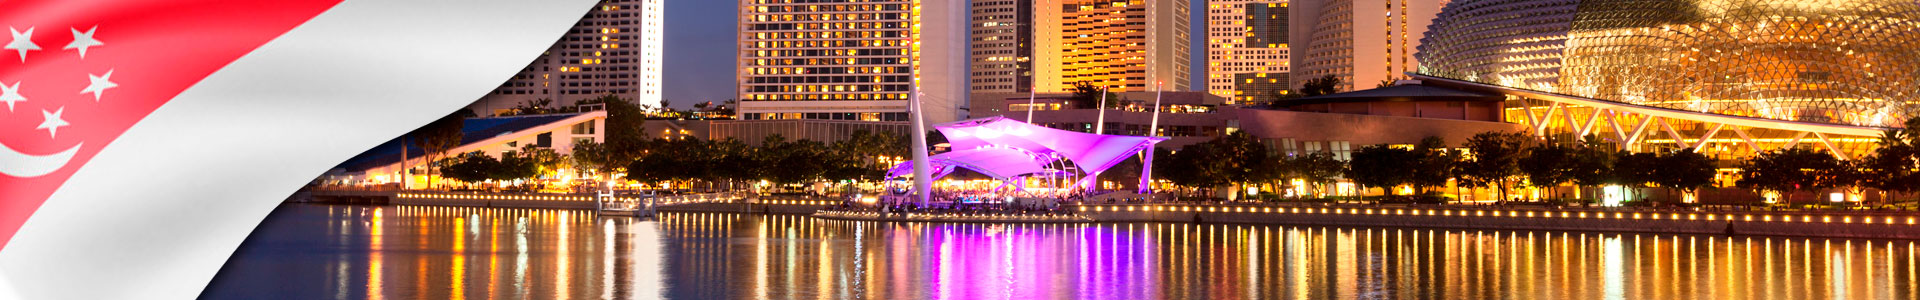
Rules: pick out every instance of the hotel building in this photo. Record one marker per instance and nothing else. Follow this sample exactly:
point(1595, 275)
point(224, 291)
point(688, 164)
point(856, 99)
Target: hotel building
point(851, 59)
point(1361, 42)
point(1247, 49)
point(1016, 46)
point(1128, 45)
point(615, 49)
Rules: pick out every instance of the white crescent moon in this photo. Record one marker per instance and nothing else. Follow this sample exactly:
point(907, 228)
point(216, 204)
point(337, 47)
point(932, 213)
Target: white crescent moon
point(16, 164)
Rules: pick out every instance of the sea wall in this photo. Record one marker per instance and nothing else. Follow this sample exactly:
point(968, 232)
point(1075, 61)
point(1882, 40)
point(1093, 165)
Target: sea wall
point(495, 200)
point(1799, 223)
point(791, 207)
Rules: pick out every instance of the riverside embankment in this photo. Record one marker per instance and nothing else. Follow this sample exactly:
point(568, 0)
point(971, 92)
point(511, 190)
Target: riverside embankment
point(1837, 224)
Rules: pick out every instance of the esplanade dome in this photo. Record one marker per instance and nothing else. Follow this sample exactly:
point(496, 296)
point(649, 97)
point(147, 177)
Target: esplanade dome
point(1849, 62)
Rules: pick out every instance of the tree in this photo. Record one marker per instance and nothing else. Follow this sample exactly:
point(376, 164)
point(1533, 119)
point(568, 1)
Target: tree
point(1196, 165)
point(518, 164)
point(471, 167)
point(1894, 167)
point(1549, 164)
point(1320, 86)
point(726, 108)
point(1495, 158)
point(1790, 170)
point(625, 134)
point(1380, 166)
point(1231, 159)
point(865, 149)
point(1592, 164)
point(669, 160)
point(543, 160)
point(1278, 97)
point(1317, 169)
point(1684, 171)
point(736, 160)
point(439, 136)
point(592, 156)
point(1087, 96)
point(1432, 164)
point(1635, 170)
point(534, 107)
point(1388, 82)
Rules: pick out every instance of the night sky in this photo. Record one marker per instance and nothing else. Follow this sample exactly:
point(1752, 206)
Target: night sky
point(700, 37)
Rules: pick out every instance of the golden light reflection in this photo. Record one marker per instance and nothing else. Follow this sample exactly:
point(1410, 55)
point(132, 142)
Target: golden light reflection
point(708, 255)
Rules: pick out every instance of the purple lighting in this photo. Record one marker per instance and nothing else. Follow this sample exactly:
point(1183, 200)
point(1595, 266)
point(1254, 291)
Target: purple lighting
point(1006, 148)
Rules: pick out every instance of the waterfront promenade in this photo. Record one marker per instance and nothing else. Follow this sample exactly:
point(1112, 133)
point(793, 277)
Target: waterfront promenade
point(1802, 223)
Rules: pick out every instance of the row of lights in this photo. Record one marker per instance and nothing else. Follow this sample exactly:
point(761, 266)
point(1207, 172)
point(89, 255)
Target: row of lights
point(797, 202)
point(495, 197)
point(955, 217)
point(1500, 213)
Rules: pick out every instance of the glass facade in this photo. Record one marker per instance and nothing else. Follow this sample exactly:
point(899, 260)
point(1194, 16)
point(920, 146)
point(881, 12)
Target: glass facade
point(1806, 64)
point(825, 50)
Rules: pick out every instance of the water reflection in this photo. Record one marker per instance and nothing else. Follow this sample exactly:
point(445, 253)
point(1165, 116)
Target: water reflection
point(353, 252)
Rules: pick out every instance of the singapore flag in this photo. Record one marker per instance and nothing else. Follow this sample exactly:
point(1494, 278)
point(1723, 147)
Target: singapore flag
point(142, 140)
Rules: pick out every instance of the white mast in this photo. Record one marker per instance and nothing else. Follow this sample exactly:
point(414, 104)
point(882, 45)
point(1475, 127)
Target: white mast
point(922, 181)
point(1030, 94)
point(1153, 129)
point(1100, 125)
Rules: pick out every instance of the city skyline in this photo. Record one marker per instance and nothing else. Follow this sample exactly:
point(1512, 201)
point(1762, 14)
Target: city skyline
point(695, 73)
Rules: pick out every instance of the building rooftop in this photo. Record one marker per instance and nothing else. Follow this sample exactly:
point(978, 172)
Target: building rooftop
point(473, 130)
point(1398, 93)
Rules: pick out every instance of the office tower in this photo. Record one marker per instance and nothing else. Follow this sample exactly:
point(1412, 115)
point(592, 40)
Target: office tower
point(851, 59)
point(1016, 46)
point(615, 49)
point(1363, 43)
point(1247, 49)
point(1128, 45)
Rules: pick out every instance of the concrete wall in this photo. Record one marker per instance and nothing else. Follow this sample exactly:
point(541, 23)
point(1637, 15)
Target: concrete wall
point(752, 132)
point(796, 208)
point(1810, 224)
point(1360, 130)
point(496, 200)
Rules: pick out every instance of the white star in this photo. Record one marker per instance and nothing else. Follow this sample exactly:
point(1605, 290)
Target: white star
point(53, 122)
point(83, 40)
point(22, 42)
point(99, 84)
point(11, 94)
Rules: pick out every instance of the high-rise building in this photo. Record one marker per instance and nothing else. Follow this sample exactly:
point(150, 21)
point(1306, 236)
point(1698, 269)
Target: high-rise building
point(1247, 49)
point(1016, 46)
point(1363, 43)
point(615, 49)
point(851, 59)
point(1128, 45)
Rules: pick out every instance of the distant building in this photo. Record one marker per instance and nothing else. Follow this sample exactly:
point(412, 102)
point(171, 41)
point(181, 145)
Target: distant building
point(1362, 43)
point(1259, 88)
point(851, 60)
point(1728, 79)
point(615, 49)
point(1016, 46)
point(388, 162)
point(1247, 48)
point(1126, 45)
point(1336, 124)
point(1408, 100)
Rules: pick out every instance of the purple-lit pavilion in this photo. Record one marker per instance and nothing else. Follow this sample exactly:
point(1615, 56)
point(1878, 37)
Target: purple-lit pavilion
point(1008, 150)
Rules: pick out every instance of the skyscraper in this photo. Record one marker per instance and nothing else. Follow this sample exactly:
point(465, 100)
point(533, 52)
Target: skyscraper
point(1016, 46)
point(615, 49)
point(851, 59)
point(1247, 49)
point(1129, 45)
point(1361, 42)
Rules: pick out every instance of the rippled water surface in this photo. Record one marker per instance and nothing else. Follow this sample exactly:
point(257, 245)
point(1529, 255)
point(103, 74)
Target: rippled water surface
point(354, 252)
